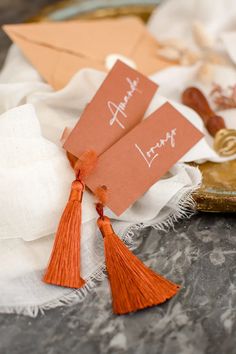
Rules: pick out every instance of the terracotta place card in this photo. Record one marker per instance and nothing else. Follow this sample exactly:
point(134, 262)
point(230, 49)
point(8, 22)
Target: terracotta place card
point(116, 108)
point(140, 158)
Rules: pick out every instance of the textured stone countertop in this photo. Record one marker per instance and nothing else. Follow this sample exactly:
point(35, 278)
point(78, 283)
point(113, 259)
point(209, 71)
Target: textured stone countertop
point(200, 253)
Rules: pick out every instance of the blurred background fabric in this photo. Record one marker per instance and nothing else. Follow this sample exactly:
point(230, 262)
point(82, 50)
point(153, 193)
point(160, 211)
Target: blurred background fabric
point(16, 11)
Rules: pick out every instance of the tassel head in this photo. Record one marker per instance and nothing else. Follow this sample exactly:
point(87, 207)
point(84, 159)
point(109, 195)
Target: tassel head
point(104, 225)
point(77, 189)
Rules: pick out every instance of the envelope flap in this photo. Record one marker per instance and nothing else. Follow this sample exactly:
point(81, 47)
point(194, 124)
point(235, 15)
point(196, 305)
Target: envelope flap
point(95, 39)
point(36, 53)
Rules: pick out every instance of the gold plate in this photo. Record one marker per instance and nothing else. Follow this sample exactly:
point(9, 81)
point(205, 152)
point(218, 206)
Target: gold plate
point(96, 9)
point(218, 190)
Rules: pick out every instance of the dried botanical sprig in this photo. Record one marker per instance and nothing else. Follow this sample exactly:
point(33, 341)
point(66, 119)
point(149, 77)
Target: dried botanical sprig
point(169, 53)
point(205, 73)
point(176, 50)
point(223, 98)
point(201, 36)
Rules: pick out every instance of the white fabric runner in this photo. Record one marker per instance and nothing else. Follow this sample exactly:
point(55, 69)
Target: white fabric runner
point(35, 179)
point(175, 19)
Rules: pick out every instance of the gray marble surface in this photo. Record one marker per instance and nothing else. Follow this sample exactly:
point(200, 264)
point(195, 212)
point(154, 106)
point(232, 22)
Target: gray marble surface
point(200, 254)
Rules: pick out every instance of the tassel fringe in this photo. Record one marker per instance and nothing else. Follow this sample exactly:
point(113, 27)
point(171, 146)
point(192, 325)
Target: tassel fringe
point(64, 265)
point(133, 285)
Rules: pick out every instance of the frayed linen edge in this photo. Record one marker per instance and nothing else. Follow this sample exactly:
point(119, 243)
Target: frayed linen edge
point(73, 297)
point(185, 208)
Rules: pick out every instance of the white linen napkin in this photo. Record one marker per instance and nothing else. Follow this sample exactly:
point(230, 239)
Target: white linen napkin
point(175, 19)
point(39, 175)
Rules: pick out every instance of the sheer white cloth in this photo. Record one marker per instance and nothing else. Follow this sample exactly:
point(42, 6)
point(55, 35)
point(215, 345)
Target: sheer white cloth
point(35, 180)
point(218, 17)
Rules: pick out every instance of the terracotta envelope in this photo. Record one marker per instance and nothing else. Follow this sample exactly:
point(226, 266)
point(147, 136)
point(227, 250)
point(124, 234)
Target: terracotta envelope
point(58, 50)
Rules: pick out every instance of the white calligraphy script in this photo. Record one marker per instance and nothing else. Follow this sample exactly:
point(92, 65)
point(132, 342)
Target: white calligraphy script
point(150, 155)
point(118, 110)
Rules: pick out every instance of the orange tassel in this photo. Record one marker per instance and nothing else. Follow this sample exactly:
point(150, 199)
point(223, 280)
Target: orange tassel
point(133, 285)
point(64, 264)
